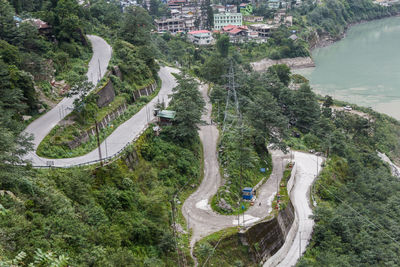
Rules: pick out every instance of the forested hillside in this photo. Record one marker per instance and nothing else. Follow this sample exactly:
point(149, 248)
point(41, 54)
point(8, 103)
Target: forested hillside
point(123, 214)
point(334, 16)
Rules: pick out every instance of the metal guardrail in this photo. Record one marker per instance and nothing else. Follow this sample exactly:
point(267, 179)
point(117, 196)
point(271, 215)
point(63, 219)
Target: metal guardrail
point(106, 159)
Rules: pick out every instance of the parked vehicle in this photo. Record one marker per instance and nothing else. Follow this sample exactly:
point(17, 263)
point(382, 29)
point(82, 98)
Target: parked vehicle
point(347, 108)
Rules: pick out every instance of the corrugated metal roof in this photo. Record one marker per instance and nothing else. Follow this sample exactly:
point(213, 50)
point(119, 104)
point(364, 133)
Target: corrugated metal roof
point(167, 114)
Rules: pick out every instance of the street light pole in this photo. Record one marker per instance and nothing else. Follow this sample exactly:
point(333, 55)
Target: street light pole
point(300, 244)
point(98, 143)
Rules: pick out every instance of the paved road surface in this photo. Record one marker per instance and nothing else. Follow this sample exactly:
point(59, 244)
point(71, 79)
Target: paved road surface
point(305, 175)
point(196, 209)
point(42, 126)
point(123, 135)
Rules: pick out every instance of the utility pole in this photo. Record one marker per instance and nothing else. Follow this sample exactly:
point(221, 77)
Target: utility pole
point(300, 244)
point(105, 143)
point(98, 143)
point(99, 69)
point(174, 228)
point(241, 161)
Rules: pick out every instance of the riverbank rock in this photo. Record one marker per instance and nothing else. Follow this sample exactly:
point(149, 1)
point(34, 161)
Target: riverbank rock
point(224, 205)
point(293, 63)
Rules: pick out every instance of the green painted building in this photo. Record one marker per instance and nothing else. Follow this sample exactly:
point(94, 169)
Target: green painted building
point(225, 19)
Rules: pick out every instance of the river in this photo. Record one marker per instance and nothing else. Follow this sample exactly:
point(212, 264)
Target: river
point(363, 68)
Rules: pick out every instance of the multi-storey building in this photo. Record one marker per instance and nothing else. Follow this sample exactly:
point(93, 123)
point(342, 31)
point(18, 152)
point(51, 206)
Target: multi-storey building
point(172, 25)
point(201, 37)
point(225, 19)
point(263, 30)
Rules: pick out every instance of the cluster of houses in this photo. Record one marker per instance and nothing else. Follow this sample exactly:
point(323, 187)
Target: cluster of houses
point(187, 17)
point(386, 2)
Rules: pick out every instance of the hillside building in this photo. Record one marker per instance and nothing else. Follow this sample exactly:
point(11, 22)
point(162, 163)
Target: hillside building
point(225, 19)
point(202, 37)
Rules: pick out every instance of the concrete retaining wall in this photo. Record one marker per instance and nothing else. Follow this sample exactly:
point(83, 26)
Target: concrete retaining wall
point(132, 159)
point(106, 95)
point(266, 238)
point(148, 90)
point(102, 124)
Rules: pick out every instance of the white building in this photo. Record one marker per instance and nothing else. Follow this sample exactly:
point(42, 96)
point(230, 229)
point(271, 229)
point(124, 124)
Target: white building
point(225, 19)
point(202, 37)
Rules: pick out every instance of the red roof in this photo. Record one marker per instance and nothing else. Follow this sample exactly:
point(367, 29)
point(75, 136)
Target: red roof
point(228, 28)
point(235, 31)
point(198, 32)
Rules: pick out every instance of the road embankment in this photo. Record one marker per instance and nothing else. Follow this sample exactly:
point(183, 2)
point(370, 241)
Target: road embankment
point(293, 63)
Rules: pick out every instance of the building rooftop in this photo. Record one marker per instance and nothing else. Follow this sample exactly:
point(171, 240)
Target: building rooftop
point(167, 114)
point(293, 37)
point(199, 32)
point(38, 23)
point(263, 26)
point(228, 14)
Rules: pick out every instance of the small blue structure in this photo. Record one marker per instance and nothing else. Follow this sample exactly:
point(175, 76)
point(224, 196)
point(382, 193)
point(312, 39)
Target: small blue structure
point(247, 193)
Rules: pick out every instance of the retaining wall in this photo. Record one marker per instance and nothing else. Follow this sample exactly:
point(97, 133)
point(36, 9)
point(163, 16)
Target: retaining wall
point(267, 237)
point(145, 91)
point(106, 95)
point(102, 124)
point(132, 159)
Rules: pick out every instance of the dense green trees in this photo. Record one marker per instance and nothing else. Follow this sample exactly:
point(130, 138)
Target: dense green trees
point(136, 26)
point(188, 104)
point(334, 16)
point(102, 217)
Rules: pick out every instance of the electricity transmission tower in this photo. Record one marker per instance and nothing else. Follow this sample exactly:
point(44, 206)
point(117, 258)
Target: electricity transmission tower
point(231, 87)
point(236, 117)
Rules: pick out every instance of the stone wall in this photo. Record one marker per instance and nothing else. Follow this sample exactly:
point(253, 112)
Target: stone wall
point(117, 72)
point(266, 238)
point(102, 124)
point(145, 91)
point(132, 159)
point(106, 95)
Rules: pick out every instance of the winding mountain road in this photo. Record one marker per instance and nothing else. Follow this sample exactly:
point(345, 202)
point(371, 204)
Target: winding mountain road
point(308, 166)
point(204, 221)
point(121, 136)
point(197, 210)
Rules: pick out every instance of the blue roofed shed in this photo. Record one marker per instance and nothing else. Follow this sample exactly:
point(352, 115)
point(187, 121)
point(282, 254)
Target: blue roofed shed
point(247, 193)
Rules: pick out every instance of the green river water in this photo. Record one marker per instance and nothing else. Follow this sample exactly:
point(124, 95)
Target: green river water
point(363, 68)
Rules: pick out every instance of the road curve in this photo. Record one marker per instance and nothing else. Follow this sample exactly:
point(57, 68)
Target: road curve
point(308, 166)
point(40, 127)
point(121, 136)
point(197, 210)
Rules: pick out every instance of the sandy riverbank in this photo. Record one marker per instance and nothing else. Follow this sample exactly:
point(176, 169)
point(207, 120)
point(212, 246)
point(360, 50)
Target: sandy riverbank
point(293, 63)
